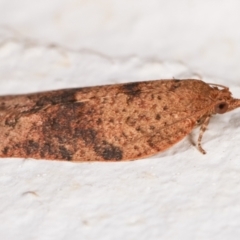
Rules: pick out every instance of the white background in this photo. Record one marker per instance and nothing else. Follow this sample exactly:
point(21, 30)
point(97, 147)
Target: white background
point(179, 194)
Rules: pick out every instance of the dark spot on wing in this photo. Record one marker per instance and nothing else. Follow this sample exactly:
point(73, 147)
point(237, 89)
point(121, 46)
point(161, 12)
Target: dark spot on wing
point(131, 89)
point(88, 135)
point(65, 153)
point(176, 84)
point(138, 129)
point(108, 151)
point(62, 96)
point(158, 116)
point(11, 121)
point(30, 147)
point(130, 121)
point(152, 145)
point(99, 121)
point(111, 120)
point(47, 149)
point(5, 150)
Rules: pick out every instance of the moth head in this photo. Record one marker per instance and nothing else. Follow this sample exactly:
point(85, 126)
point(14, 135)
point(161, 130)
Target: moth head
point(221, 107)
point(224, 100)
point(223, 96)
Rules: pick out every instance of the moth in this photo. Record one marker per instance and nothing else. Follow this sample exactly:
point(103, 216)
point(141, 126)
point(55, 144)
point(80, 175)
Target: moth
point(109, 123)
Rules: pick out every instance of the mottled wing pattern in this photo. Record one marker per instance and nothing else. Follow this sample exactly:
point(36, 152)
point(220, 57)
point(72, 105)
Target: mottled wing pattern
point(114, 122)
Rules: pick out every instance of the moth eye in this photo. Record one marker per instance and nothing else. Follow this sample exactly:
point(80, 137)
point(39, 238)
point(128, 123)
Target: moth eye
point(221, 107)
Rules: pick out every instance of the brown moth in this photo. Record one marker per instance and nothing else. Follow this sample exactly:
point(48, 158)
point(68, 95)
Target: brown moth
point(108, 123)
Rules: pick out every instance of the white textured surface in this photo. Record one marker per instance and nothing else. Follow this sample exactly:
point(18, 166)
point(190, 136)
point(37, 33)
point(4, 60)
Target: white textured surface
point(179, 194)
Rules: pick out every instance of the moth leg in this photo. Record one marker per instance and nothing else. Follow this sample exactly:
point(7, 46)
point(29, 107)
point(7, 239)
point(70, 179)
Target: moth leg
point(202, 130)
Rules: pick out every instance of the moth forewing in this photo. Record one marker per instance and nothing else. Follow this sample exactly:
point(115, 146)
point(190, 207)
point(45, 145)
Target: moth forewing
point(108, 123)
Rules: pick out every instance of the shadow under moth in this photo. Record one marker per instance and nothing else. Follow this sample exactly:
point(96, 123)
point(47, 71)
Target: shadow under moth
point(108, 123)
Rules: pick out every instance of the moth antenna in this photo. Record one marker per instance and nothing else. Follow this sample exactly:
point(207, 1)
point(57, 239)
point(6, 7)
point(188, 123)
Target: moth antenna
point(218, 85)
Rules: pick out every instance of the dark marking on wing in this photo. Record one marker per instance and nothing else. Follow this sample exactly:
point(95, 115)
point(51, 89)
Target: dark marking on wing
point(31, 147)
point(131, 89)
point(65, 153)
point(88, 135)
point(108, 151)
point(66, 96)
